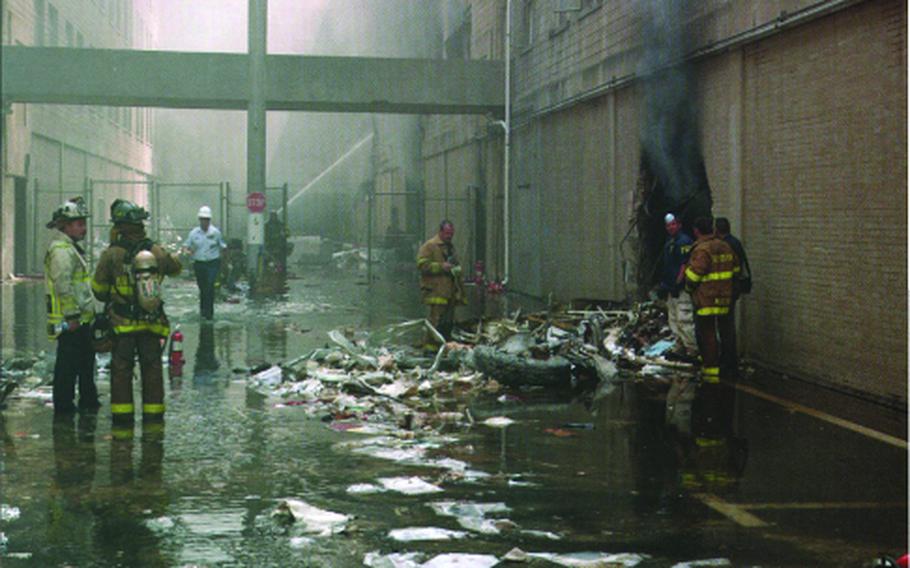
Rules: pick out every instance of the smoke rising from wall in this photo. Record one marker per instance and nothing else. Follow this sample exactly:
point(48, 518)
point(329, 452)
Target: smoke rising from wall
point(669, 128)
point(672, 175)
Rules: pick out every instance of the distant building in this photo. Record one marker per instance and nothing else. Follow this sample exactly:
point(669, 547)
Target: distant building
point(796, 114)
point(50, 150)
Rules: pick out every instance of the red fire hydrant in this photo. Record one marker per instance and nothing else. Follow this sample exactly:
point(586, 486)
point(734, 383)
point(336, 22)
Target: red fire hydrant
point(175, 355)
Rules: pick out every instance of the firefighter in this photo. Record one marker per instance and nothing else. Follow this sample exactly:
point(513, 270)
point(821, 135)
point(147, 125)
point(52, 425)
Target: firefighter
point(70, 309)
point(672, 263)
point(729, 356)
point(440, 280)
point(709, 279)
point(128, 278)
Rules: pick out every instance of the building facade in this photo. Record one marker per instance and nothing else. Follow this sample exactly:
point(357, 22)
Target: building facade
point(799, 114)
point(50, 151)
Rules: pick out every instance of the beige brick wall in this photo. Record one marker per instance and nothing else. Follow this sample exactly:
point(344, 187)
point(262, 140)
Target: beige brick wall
point(825, 201)
point(804, 138)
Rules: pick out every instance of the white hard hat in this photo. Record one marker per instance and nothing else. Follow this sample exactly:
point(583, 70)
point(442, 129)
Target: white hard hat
point(668, 218)
point(205, 212)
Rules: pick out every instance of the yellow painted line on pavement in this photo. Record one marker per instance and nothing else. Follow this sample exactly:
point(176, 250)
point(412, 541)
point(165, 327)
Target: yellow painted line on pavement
point(826, 506)
point(859, 429)
point(736, 513)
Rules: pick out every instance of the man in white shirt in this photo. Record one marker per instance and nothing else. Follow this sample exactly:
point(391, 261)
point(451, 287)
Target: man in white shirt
point(204, 244)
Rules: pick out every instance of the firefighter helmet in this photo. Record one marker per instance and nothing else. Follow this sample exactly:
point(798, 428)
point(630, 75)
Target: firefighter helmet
point(75, 208)
point(123, 211)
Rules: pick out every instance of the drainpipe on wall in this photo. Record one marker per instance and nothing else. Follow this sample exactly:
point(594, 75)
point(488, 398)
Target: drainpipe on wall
point(506, 146)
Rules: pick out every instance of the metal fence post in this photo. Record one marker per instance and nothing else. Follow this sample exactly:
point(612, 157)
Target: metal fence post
point(370, 237)
point(35, 227)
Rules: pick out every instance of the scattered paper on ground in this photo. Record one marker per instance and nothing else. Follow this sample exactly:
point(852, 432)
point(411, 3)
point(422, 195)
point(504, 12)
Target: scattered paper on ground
point(312, 519)
point(591, 559)
point(412, 534)
point(409, 485)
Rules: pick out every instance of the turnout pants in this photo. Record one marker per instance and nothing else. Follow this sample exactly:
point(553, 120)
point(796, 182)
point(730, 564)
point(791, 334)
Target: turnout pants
point(75, 361)
point(442, 317)
point(707, 329)
point(147, 346)
point(206, 273)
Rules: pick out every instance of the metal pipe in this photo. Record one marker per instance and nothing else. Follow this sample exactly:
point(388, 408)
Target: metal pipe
point(507, 144)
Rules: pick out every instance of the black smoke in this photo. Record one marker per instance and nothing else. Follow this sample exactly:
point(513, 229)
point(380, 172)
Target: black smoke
point(672, 169)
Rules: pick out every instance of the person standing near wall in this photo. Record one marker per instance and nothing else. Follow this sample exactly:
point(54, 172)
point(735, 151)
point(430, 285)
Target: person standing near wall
point(672, 263)
point(710, 272)
point(729, 357)
point(205, 243)
point(440, 280)
point(70, 309)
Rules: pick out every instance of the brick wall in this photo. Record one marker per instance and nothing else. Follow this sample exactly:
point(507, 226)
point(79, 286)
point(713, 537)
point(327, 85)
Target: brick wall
point(804, 138)
point(825, 199)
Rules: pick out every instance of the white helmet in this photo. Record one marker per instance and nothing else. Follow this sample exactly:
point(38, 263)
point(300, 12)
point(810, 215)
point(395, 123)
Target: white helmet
point(205, 212)
point(669, 218)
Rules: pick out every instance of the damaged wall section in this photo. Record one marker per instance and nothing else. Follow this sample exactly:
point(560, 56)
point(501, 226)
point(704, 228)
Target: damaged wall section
point(803, 138)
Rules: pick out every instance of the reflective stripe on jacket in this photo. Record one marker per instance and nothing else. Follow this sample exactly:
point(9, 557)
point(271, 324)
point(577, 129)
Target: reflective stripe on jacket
point(709, 276)
point(437, 287)
point(112, 284)
point(66, 278)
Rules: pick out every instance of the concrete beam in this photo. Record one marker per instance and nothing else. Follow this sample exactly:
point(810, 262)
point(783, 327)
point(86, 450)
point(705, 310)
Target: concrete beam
point(124, 78)
point(221, 81)
point(402, 86)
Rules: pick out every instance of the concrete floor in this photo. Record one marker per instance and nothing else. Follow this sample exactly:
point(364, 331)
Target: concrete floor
point(770, 473)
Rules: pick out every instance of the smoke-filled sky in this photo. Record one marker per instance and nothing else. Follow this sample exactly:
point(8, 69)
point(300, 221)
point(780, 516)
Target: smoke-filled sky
point(210, 145)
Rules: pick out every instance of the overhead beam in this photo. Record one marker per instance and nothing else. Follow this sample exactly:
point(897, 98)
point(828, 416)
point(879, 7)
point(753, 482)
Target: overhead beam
point(221, 81)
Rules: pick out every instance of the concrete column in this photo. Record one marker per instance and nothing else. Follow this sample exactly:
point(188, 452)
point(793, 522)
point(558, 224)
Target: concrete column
point(255, 117)
point(617, 286)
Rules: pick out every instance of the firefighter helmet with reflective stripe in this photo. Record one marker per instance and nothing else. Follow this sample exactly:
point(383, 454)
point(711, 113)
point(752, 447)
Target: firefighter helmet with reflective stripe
point(75, 208)
point(123, 211)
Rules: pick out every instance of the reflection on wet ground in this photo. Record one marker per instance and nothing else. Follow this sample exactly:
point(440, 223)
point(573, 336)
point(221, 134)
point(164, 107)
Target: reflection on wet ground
point(674, 476)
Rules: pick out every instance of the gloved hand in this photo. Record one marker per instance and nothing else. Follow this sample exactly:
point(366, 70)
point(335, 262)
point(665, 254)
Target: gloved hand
point(456, 271)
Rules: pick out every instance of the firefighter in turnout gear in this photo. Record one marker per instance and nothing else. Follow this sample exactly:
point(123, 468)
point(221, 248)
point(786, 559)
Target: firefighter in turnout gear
point(440, 280)
point(70, 309)
point(709, 279)
point(128, 278)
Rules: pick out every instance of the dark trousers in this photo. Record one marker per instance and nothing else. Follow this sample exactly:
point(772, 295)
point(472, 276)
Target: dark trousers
point(716, 335)
point(123, 358)
point(206, 273)
point(729, 358)
point(442, 317)
point(75, 360)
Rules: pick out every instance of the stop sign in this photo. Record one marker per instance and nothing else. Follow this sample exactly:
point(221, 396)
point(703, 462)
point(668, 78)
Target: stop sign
point(255, 202)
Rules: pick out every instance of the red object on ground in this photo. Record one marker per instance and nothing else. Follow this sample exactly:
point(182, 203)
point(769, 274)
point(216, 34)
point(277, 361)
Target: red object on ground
point(175, 357)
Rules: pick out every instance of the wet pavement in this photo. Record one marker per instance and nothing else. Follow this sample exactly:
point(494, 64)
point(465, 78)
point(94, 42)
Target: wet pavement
point(717, 474)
